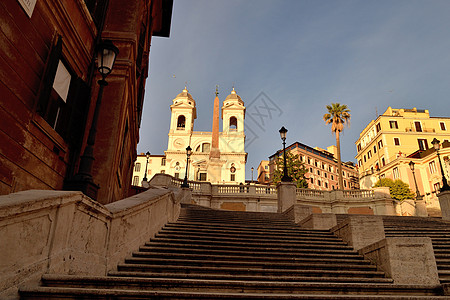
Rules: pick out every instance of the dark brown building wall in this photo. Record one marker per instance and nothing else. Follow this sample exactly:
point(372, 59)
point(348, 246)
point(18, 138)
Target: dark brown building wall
point(32, 154)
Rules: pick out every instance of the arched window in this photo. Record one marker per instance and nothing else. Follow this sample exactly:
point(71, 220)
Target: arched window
point(181, 124)
point(233, 123)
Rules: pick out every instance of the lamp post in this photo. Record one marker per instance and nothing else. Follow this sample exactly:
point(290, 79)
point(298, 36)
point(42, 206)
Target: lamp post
point(445, 186)
point(252, 174)
point(188, 154)
point(285, 177)
point(411, 165)
point(83, 180)
point(147, 155)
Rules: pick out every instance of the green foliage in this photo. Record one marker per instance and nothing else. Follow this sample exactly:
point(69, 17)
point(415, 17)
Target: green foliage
point(398, 189)
point(338, 115)
point(296, 170)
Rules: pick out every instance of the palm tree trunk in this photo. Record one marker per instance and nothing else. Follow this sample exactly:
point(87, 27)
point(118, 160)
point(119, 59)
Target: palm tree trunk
point(338, 145)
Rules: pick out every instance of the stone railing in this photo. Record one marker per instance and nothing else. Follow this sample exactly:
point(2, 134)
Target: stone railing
point(68, 233)
point(301, 193)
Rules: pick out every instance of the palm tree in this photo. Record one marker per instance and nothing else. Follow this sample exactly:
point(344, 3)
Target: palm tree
point(338, 115)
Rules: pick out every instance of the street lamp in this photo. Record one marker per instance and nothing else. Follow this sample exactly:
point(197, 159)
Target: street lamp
point(188, 154)
point(146, 164)
point(445, 186)
point(252, 174)
point(285, 177)
point(411, 165)
point(83, 180)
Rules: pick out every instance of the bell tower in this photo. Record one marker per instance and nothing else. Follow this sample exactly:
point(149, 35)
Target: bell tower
point(233, 115)
point(183, 114)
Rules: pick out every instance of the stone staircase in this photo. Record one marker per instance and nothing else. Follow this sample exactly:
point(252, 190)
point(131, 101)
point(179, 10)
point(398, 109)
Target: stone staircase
point(435, 228)
point(212, 254)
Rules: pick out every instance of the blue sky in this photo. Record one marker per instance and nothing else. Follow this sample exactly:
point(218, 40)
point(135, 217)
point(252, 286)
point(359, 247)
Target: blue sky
point(288, 59)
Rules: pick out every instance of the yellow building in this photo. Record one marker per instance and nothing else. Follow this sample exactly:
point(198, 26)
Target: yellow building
point(387, 145)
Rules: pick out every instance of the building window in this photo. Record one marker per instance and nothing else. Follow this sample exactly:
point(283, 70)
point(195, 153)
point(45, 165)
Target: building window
point(202, 177)
point(163, 172)
point(323, 166)
point(266, 167)
point(319, 183)
point(369, 154)
point(393, 124)
point(309, 161)
point(378, 126)
point(232, 177)
point(137, 167)
point(136, 180)
point(359, 147)
point(396, 174)
point(377, 167)
point(181, 123)
point(163, 161)
point(442, 124)
point(437, 186)
point(383, 163)
point(418, 126)
point(423, 144)
point(359, 163)
point(315, 163)
point(365, 159)
point(432, 166)
point(318, 172)
point(206, 147)
point(233, 124)
point(332, 177)
point(312, 180)
point(396, 141)
point(374, 149)
point(325, 174)
point(380, 144)
point(310, 170)
point(177, 175)
point(326, 184)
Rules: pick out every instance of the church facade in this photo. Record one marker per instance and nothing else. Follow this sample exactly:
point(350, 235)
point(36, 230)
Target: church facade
point(217, 157)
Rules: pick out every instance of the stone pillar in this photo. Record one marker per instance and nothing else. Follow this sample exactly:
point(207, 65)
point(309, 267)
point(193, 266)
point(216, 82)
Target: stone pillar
point(421, 208)
point(186, 195)
point(444, 202)
point(360, 231)
point(286, 193)
point(319, 221)
point(407, 260)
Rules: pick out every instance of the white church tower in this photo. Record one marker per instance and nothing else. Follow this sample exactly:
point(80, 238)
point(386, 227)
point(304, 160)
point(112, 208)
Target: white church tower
point(217, 157)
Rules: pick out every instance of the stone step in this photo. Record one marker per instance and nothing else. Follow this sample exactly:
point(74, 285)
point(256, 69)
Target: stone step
point(171, 284)
point(247, 251)
point(83, 293)
point(249, 230)
point(243, 243)
point(217, 231)
point(237, 221)
point(251, 277)
point(307, 257)
point(268, 250)
point(219, 263)
point(246, 238)
point(243, 226)
point(308, 271)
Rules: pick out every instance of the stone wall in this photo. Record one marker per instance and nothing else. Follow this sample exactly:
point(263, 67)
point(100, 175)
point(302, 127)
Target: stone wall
point(68, 233)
